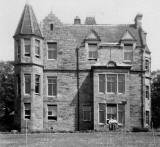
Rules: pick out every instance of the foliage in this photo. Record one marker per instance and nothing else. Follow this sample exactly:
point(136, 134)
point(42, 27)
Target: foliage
point(155, 99)
point(7, 93)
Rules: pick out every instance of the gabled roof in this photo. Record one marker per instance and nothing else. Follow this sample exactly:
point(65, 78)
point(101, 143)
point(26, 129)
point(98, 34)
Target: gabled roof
point(92, 36)
point(127, 36)
point(28, 24)
point(107, 33)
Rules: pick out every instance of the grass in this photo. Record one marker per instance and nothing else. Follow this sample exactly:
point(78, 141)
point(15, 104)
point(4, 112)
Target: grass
point(98, 139)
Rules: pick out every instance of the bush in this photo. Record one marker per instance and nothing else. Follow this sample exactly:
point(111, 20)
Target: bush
point(137, 129)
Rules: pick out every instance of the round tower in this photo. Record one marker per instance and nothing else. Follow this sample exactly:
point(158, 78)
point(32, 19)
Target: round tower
point(29, 72)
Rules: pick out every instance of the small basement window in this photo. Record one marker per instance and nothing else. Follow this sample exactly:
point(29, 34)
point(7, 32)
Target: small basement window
point(52, 112)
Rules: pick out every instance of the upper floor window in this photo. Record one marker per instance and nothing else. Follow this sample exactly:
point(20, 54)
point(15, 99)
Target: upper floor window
point(27, 110)
point(147, 65)
point(27, 83)
point(92, 51)
point(37, 48)
point(52, 86)
point(18, 46)
point(51, 26)
point(86, 113)
point(27, 47)
point(112, 83)
point(147, 117)
point(37, 84)
point(128, 52)
point(147, 92)
point(52, 50)
point(52, 112)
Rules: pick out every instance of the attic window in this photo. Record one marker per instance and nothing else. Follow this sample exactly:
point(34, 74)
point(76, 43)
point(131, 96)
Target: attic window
point(128, 52)
point(51, 26)
point(92, 51)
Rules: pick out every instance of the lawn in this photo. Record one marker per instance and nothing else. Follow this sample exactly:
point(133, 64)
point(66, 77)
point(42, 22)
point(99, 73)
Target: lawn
point(97, 139)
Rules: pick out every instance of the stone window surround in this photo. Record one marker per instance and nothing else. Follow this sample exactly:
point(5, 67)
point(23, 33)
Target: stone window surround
point(28, 109)
point(27, 74)
point(55, 119)
point(134, 46)
point(37, 45)
point(47, 86)
point(87, 108)
point(117, 83)
point(106, 112)
point(51, 41)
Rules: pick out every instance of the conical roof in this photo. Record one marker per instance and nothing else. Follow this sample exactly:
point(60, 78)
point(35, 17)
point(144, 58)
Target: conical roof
point(28, 24)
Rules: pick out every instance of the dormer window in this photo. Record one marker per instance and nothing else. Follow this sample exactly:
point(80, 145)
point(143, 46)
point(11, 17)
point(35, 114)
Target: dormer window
point(27, 47)
point(128, 52)
point(51, 26)
point(92, 51)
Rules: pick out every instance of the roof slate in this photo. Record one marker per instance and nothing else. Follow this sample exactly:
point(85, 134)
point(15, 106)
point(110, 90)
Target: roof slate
point(28, 24)
point(107, 33)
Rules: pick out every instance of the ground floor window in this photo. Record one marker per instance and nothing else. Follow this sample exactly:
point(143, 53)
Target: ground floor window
point(86, 113)
point(27, 110)
point(147, 117)
point(52, 112)
point(114, 111)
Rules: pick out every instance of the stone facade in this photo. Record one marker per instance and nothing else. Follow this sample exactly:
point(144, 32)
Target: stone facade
point(77, 98)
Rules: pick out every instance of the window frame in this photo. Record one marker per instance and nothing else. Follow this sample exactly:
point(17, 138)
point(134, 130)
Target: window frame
point(29, 109)
point(128, 51)
point(38, 83)
point(49, 42)
point(38, 48)
point(27, 74)
point(117, 83)
point(56, 117)
point(147, 92)
point(96, 52)
point(87, 109)
point(51, 77)
point(101, 123)
point(147, 64)
point(28, 53)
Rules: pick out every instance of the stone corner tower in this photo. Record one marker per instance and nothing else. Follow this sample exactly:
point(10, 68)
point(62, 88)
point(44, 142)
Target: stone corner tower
point(28, 53)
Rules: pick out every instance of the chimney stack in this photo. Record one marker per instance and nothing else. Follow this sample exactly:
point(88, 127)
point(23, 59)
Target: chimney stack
point(77, 21)
point(90, 21)
point(138, 20)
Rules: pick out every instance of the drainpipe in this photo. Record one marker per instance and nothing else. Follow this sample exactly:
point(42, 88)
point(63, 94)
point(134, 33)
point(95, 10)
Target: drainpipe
point(77, 70)
point(142, 83)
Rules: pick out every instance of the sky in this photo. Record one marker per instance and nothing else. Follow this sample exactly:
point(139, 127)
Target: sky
point(105, 12)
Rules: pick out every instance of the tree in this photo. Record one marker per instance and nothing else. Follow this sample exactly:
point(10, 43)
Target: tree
point(155, 104)
point(7, 93)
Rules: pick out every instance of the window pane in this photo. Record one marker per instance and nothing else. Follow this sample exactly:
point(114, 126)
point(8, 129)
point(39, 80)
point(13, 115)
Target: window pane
point(52, 50)
point(112, 83)
point(102, 116)
point(93, 54)
point(27, 110)
point(111, 111)
point(52, 86)
point(147, 117)
point(102, 83)
point(27, 45)
point(147, 92)
point(147, 65)
point(121, 113)
point(27, 83)
point(86, 113)
point(52, 112)
point(121, 83)
point(37, 84)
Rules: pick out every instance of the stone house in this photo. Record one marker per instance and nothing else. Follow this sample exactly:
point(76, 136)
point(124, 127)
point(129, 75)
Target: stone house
point(78, 76)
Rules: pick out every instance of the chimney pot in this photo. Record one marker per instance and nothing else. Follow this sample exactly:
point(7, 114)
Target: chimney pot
point(138, 20)
point(77, 20)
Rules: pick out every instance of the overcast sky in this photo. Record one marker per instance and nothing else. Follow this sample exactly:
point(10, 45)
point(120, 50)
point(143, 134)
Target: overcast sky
point(105, 12)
